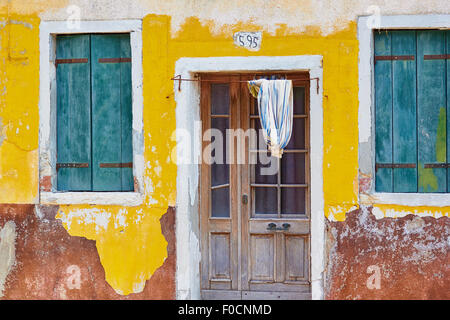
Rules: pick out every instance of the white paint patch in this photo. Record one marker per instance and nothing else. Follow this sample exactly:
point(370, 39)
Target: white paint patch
point(74, 277)
point(393, 213)
point(7, 252)
point(94, 216)
point(139, 286)
point(406, 199)
point(248, 40)
point(129, 199)
point(120, 219)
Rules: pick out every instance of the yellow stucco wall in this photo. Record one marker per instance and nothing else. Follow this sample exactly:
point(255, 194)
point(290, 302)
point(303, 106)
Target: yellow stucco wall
point(129, 239)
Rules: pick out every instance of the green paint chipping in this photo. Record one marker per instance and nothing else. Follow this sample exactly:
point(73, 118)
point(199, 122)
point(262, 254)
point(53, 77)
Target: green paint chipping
point(428, 181)
point(441, 137)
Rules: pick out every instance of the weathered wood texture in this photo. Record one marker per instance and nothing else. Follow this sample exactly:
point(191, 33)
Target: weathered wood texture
point(94, 113)
point(411, 118)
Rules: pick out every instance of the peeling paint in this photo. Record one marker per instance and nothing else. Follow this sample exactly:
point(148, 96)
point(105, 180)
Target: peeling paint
point(7, 252)
point(129, 252)
point(392, 211)
point(411, 253)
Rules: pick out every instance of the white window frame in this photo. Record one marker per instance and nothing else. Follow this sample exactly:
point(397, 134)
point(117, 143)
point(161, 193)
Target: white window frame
point(187, 203)
point(47, 111)
point(366, 25)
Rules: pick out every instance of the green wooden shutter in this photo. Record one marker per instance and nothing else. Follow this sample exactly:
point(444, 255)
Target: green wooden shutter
point(447, 34)
point(411, 118)
point(73, 113)
point(383, 112)
point(404, 111)
point(111, 113)
point(432, 109)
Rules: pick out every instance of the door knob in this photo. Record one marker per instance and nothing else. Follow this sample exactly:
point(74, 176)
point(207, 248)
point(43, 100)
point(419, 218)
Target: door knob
point(273, 226)
point(244, 199)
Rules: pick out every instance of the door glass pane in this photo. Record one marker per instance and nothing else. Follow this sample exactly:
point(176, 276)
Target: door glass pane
point(293, 200)
point(266, 168)
point(299, 100)
point(265, 200)
point(220, 99)
point(293, 168)
point(219, 168)
point(220, 203)
point(297, 140)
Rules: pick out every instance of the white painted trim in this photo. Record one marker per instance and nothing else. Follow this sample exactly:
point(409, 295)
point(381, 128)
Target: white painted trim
point(366, 111)
point(188, 112)
point(406, 199)
point(99, 198)
point(47, 115)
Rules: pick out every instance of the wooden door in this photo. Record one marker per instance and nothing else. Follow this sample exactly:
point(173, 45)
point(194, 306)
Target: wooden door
point(254, 210)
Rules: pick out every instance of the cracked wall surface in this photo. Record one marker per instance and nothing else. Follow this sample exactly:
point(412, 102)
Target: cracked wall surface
point(411, 253)
point(52, 264)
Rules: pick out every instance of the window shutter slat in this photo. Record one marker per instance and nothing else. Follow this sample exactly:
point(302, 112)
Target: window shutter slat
point(404, 111)
point(106, 133)
point(126, 111)
point(383, 112)
point(431, 106)
point(111, 113)
point(73, 113)
point(447, 34)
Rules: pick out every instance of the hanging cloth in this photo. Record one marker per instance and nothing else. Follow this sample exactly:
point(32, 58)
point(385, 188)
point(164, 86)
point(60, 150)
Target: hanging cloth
point(275, 106)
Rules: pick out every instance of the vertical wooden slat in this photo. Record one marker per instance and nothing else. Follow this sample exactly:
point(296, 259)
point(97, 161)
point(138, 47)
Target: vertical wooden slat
point(205, 176)
point(106, 112)
point(447, 35)
point(308, 154)
point(126, 113)
point(245, 187)
point(73, 112)
point(383, 111)
point(234, 181)
point(431, 106)
point(404, 111)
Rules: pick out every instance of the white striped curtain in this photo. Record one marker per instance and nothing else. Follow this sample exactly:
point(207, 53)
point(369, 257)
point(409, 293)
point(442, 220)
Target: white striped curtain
point(275, 106)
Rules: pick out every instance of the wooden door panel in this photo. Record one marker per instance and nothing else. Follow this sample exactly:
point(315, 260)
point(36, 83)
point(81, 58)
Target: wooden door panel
point(241, 258)
point(218, 188)
point(297, 226)
point(220, 256)
point(296, 258)
point(274, 295)
point(278, 259)
point(262, 257)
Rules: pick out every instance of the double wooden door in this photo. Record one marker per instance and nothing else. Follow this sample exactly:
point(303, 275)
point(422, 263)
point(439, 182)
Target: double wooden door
point(254, 208)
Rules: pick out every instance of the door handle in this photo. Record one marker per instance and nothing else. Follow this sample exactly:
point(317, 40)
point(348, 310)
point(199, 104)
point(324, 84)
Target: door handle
point(284, 227)
point(244, 199)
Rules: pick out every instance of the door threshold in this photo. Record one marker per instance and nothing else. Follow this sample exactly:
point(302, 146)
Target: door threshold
point(253, 295)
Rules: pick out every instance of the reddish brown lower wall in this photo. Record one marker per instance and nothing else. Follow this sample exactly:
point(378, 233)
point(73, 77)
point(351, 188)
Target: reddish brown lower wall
point(411, 253)
point(44, 251)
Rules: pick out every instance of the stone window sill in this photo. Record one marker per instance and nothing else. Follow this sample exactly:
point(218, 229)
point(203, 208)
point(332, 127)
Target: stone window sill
point(130, 199)
point(407, 199)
